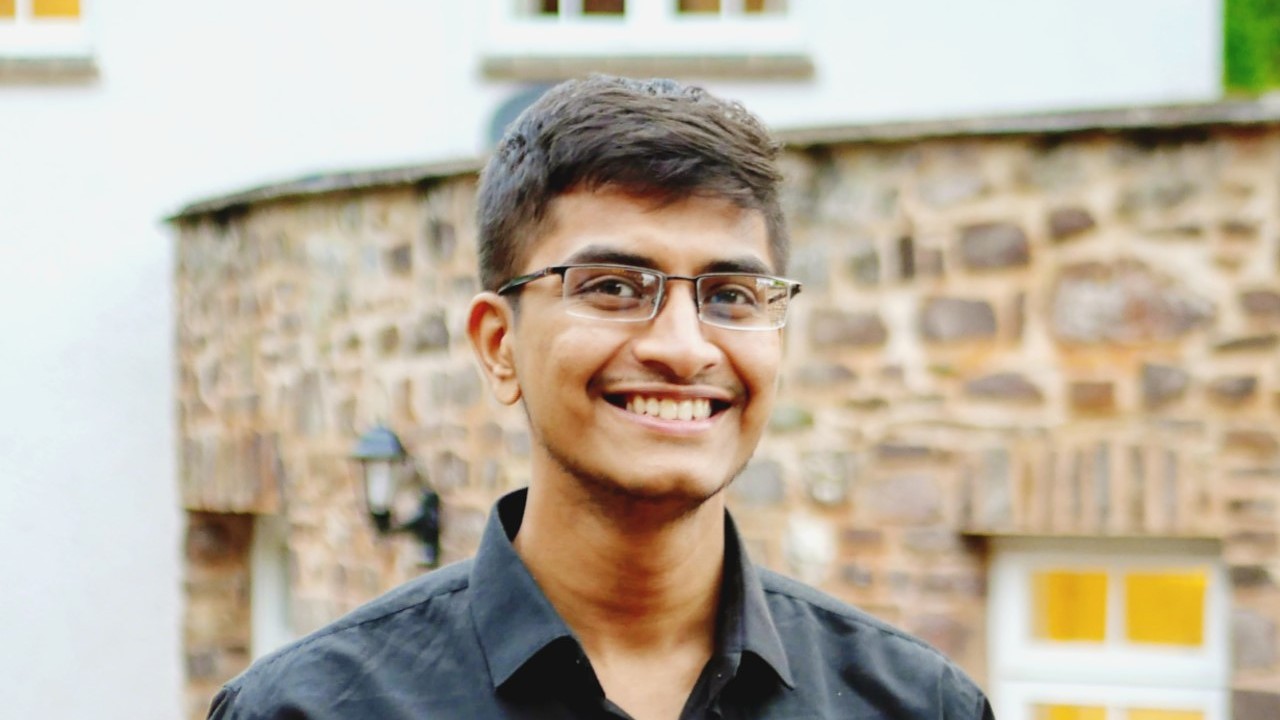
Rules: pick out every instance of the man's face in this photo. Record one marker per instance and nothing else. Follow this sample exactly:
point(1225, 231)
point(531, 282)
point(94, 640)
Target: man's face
point(582, 379)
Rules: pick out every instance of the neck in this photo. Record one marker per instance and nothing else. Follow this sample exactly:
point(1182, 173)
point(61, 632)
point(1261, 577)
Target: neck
point(629, 577)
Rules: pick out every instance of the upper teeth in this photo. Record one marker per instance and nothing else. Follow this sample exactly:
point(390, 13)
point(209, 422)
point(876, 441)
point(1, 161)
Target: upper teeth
point(670, 408)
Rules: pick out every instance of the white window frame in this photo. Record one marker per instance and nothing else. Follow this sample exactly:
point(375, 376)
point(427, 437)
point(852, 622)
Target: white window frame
point(1114, 673)
point(270, 603)
point(649, 28)
point(26, 37)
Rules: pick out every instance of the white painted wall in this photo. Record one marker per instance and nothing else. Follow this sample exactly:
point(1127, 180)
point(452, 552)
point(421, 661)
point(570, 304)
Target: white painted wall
point(196, 99)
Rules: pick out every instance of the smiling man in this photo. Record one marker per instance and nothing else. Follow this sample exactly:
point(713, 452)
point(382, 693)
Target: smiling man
point(632, 251)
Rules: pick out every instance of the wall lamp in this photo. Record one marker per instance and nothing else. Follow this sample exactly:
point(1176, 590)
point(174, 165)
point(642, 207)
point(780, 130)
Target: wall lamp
point(384, 462)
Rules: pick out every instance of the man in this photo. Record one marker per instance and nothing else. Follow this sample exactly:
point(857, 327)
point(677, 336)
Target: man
point(631, 247)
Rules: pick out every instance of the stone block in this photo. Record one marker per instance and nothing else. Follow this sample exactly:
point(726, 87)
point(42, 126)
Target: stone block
point(1254, 640)
point(906, 498)
point(952, 185)
point(1009, 387)
point(1092, 396)
point(442, 239)
point(1162, 384)
point(861, 539)
point(1262, 443)
point(820, 375)
point(1249, 343)
point(388, 341)
point(759, 484)
point(864, 265)
point(449, 471)
point(827, 477)
point(430, 334)
point(946, 319)
point(1068, 222)
point(1123, 302)
point(1254, 705)
point(932, 541)
point(400, 260)
point(1263, 304)
point(991, 246)
point(1233, 389)
point(856, 575)
point(809, 547)
point(838, 328)
point(1251, 577)
point(944, 632)
point(787, 417)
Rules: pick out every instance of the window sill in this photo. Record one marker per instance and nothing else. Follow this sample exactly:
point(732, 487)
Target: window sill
point(71, 70)
point(734, 67)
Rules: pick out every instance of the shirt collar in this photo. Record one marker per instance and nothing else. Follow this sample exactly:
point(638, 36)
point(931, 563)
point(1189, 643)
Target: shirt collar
point(515, 621)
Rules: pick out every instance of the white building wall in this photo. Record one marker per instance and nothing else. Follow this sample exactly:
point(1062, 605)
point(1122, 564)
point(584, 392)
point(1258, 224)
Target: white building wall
point(195, 99)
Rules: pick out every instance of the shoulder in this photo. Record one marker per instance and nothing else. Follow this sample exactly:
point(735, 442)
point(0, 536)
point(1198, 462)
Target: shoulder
point(828, 637)
point(421, 613)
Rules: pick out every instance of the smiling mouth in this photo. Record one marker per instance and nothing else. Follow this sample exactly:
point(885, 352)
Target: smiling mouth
point(668, 408)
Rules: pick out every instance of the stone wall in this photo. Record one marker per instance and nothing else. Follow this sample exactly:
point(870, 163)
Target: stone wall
point(1043, 333)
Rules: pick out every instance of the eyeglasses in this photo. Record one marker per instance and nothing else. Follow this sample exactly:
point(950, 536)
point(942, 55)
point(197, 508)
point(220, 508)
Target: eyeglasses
point(737, 301)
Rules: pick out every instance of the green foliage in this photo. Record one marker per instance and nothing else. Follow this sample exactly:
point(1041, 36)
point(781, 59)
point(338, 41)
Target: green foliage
point(1252, 43)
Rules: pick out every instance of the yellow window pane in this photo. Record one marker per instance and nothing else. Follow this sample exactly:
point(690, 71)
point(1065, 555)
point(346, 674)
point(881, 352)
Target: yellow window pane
point(1069, 712)
point(1145, 714)
point(1069, 605)
point(55, 8)
point(7, 8)
point(1165, 607)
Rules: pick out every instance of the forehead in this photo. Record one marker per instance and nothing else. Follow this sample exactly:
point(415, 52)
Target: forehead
point(687, 235)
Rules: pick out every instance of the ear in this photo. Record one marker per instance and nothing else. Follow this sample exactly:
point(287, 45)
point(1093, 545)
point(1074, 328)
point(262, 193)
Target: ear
point(490, 326)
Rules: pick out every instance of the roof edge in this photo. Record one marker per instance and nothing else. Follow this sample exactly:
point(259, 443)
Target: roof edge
point(327, 183)
point(1260, 111)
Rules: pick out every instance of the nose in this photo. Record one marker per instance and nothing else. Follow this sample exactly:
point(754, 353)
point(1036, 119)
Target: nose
point(674, 341)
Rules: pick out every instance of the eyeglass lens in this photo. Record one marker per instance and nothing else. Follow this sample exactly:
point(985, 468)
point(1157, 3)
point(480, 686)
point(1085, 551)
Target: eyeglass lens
point(727, 300)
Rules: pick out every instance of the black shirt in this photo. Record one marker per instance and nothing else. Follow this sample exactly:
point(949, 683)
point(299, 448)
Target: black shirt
point(478, 639)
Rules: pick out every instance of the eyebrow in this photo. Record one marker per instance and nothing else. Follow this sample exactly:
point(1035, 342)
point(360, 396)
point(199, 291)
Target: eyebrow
point(593, 254)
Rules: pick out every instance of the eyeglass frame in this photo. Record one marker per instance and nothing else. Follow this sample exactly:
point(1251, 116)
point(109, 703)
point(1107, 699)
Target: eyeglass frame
point(793, 289)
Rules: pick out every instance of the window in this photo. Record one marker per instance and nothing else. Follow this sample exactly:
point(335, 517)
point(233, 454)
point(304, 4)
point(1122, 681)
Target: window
point(1094, 629)
point(38, 29)
point(550, 39)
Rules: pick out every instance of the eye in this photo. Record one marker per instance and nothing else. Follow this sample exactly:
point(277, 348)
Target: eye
point(612, 285)
point(732, 291)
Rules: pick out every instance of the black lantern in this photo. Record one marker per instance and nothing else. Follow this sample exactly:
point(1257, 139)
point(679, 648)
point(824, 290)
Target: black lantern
point(383, 459)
